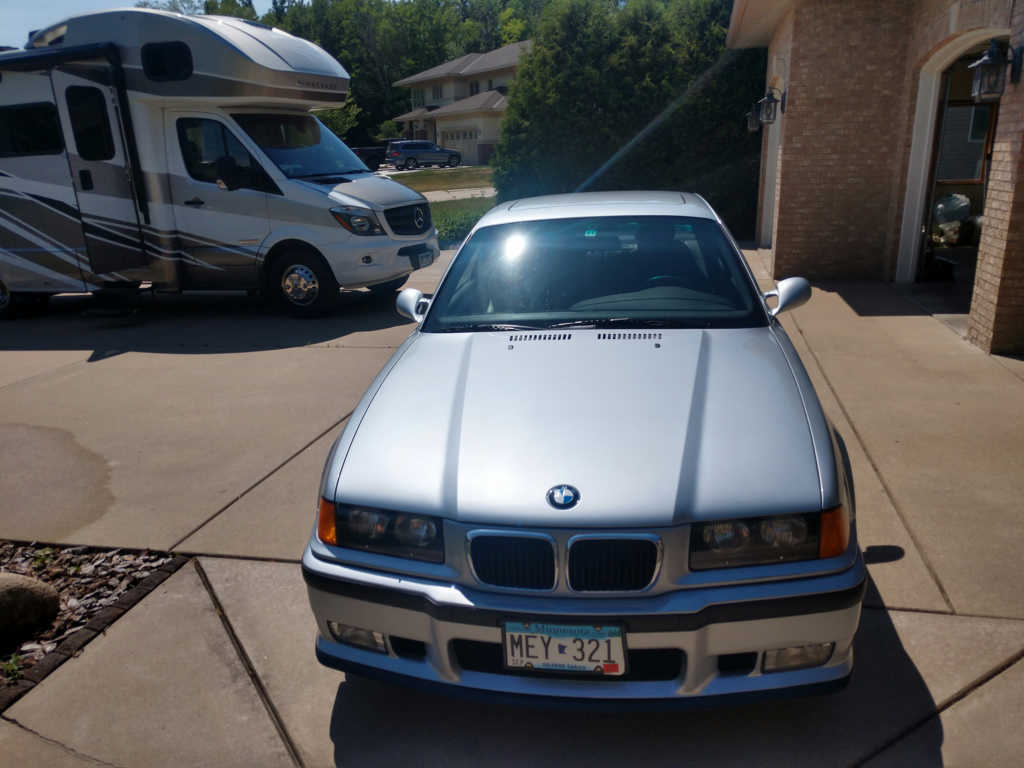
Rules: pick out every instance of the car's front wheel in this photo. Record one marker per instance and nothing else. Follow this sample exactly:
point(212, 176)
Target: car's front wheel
point(453, 161)
point(303, 284)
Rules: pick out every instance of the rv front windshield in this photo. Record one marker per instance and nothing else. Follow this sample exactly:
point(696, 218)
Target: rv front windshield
point(300, 145)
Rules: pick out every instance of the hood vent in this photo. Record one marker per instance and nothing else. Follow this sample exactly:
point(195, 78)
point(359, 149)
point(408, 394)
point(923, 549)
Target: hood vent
point(540, 337)
point(630, 336)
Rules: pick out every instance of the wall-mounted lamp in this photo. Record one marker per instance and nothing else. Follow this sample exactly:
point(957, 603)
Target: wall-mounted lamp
point(989, 74)
point(768, 107)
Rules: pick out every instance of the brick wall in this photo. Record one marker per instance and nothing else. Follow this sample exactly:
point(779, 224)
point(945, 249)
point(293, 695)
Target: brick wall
point(997, 308)
point(843, 139)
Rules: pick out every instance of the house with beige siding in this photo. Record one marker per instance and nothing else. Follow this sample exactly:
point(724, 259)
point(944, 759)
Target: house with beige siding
point(461, 103)
point(893, 149)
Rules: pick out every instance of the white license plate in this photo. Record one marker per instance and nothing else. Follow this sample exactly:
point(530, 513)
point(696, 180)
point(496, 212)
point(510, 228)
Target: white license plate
point(544, 647)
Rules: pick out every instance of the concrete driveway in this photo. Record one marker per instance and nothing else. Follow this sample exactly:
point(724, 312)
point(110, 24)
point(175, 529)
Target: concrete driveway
point(200, 425)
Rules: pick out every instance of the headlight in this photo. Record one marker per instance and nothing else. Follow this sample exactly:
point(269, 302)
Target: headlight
point(379, 530)
point(766, 540)
point(358, 221)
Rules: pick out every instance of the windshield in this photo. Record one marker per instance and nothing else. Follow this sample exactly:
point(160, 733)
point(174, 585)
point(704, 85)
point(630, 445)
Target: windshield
point(602, 272)
point(300, 145)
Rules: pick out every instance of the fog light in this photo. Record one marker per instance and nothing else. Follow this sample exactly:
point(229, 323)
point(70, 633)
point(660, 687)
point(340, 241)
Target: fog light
point(360, 638)
point(797, 657)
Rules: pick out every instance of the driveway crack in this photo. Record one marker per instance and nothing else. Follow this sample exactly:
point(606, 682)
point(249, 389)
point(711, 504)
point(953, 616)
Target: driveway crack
point(58, 744)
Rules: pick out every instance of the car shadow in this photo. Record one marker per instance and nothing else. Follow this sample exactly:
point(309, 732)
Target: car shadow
point(199, 323)
point(380, 724)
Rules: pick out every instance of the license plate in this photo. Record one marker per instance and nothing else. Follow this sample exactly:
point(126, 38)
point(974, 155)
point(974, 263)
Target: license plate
point(422, 259)
point(544, 647)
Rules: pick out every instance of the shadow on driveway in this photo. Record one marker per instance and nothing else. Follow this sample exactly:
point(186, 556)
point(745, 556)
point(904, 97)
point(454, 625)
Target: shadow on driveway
point(377, 724)
point(200, 323)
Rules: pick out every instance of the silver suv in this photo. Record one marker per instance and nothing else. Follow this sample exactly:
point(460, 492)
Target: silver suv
point(413, 154)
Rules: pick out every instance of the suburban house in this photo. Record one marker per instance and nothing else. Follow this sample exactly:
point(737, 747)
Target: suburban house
point(461, 103)
point(892, 149)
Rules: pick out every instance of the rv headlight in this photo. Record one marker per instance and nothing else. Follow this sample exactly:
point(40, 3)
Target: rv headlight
point(358, 221)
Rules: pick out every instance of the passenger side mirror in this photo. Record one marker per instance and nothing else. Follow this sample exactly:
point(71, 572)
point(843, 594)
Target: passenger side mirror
point(791, 293)
point(229, 175)
point(412, 304)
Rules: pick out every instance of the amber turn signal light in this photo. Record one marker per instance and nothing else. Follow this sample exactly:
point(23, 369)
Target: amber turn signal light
point(835, 532)
point(326, 529)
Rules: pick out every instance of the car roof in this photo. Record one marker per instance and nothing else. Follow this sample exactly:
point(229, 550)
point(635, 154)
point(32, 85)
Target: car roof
point(583, 204)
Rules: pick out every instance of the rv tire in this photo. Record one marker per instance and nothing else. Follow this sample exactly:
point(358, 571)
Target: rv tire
point(303, 284)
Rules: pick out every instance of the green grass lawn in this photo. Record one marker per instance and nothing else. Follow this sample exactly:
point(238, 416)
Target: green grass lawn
point(454, 218)
point(453, 178)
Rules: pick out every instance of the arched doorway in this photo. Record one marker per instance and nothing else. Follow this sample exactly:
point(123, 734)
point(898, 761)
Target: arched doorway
point(937, 77)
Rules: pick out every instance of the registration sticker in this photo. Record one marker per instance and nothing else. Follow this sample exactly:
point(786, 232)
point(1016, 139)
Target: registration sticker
point(544, 647)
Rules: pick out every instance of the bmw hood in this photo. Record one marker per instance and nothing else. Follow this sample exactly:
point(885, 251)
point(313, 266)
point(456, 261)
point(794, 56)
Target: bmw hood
point(652, 428)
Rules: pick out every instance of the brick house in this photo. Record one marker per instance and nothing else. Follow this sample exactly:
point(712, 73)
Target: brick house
point(880, 164)
point(461, 103)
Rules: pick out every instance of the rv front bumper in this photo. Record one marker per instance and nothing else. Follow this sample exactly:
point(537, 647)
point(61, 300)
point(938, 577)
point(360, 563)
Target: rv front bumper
point(361, 261)
point(447, 635)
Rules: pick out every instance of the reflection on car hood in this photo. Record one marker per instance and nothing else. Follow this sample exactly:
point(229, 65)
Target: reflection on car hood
point(652, 428)
point(361, 189)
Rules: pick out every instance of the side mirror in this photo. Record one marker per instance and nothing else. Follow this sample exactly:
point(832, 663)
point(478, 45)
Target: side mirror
point(228, 174)
point(412, 304)
point(791, 293)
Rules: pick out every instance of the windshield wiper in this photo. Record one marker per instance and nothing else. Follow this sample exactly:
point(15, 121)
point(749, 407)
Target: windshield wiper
point(489, 327)
point(609, 322)
point(331, 174)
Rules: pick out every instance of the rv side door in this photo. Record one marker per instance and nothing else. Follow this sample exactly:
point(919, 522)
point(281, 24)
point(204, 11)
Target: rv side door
point(219, 194)
point(100, 174)
point(42, 248)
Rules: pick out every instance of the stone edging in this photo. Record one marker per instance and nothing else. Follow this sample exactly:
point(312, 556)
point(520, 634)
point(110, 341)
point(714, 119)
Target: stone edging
point(98, 624)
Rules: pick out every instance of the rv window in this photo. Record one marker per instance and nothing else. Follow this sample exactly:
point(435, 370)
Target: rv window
point(30, 129)
point(203, 142)
point(167, 61)
point(87, 113)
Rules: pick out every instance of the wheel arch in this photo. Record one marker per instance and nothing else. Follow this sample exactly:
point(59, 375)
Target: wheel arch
point(282, 247)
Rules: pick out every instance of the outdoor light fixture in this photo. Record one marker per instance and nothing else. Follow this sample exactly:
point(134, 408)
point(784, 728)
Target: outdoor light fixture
point(989, 74)
point(768, 107)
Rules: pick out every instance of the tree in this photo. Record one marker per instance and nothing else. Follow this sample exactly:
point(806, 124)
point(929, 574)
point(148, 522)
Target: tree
point(342, 119)
point(639, 96)
point(242, 9)
point(187, 7)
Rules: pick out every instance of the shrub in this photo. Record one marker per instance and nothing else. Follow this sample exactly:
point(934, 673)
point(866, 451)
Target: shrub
point(454, 219)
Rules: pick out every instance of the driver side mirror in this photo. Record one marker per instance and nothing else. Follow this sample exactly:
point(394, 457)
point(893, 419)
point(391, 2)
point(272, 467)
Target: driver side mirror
point(411, 303)
point(229, 175)
point(791, 293)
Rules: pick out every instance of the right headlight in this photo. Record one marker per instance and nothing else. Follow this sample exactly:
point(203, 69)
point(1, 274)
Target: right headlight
point(399, 534)
point(767, 540)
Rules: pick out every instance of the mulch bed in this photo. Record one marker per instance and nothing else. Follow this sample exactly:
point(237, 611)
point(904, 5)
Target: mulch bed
point(96, 586)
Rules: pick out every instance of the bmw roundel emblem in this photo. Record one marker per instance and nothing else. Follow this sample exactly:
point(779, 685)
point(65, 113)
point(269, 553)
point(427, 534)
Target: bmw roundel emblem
point(418, 218)
point(563, 497)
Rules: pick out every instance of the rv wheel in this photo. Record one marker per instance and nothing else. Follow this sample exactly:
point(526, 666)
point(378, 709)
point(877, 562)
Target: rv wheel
point(304, 284)
point(5, 302)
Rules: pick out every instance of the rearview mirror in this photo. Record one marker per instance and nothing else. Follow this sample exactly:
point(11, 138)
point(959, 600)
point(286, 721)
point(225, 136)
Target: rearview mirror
point(791, 293)
point(228, 175)
point(412, 304)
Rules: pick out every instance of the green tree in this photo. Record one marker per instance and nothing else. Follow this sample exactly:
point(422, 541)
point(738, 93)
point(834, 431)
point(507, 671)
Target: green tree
point(187, 7)
point(242, 9)
point(342, 119)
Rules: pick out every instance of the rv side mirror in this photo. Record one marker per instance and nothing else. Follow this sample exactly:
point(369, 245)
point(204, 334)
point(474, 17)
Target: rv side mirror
point(229, 175)
point(790, 293)
point(412, 304)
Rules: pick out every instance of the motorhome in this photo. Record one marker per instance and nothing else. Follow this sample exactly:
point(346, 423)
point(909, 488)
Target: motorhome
point(142, 148)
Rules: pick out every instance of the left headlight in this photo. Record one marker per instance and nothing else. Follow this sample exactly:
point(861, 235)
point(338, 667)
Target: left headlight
point(766, 540)
point(399, 534)
point(358, 221)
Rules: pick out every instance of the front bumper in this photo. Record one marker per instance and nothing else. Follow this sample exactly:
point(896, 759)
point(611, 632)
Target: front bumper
point(459, 630)
point(361, 261)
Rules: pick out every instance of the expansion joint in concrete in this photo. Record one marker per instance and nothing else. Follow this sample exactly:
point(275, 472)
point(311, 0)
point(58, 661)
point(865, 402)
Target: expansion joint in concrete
point(250, 669)
point(58, 744)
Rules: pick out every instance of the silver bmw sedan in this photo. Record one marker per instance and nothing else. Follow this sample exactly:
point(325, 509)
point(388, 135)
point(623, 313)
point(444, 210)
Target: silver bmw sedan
point(596, 470)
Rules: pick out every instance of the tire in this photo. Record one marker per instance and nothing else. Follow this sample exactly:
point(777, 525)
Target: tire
point(383, 289)
point(454, 161)
point(303, 284)
point(411, 163)
point(6, 303)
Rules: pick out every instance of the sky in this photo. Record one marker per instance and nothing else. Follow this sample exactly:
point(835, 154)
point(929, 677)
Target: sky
point(17, 17)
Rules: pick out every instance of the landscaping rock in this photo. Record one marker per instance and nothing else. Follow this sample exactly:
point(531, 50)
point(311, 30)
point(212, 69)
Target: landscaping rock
point(27, 607)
